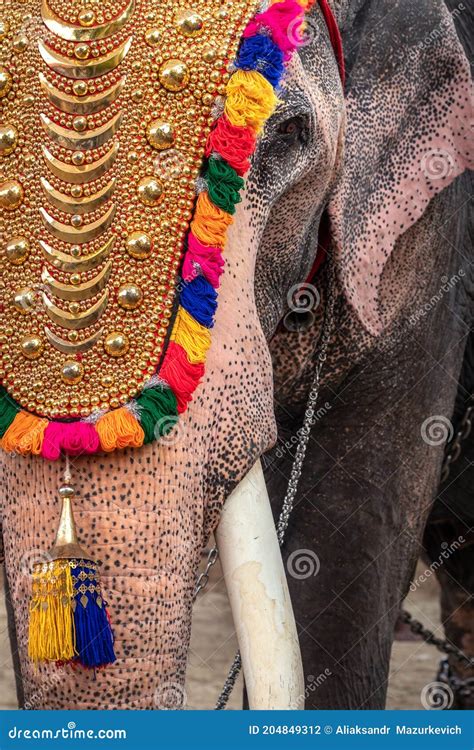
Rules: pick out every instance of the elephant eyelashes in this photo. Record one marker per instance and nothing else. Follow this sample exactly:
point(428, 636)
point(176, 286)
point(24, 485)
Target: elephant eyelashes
point(294, 131)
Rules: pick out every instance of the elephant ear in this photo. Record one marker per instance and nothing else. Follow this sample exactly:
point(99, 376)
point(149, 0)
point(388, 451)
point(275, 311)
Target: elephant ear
point(408, 95)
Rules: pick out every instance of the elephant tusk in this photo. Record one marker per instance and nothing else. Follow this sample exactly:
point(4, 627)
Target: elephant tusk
point(259, 597)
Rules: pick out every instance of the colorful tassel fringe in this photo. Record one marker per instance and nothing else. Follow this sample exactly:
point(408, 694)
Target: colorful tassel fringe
point(251, 96)
point(94, 639)
point(68, 617)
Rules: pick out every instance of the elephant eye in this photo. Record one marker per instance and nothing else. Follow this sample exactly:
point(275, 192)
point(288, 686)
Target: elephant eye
point(294, 130)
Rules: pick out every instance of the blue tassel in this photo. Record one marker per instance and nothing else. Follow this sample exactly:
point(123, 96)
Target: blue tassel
point(260, 53)
point(199, 298)
point(94, 638)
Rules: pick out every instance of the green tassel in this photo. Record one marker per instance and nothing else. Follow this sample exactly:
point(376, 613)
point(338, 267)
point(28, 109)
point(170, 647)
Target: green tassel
point(158, 412)
point(8, 411)
point(224, 185)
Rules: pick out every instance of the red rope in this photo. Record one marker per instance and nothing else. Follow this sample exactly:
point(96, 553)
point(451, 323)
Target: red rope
point(334, 36)
point(336, 41)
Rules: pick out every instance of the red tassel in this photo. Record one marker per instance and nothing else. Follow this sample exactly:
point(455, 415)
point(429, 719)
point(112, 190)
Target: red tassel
point(182, 376)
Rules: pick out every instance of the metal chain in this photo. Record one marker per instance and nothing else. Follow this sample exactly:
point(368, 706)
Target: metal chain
point(461, 688)
point(234, 672)
point(429, 637)
point(297, 467)
point(309, 418)
point(453, 450)
point(203, 579)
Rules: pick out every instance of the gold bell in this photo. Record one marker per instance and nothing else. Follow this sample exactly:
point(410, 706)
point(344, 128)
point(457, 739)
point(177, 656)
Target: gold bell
point(66, 544)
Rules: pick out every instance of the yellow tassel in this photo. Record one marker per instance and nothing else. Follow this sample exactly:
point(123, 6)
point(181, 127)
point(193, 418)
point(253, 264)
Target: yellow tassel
point(210, 223)
point(250, 99)
point(24, 434)
point(52, 635)
point(119, 429)
point(192, 336)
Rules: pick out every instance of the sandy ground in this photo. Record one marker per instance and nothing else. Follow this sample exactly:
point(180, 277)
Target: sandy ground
point(214, 644)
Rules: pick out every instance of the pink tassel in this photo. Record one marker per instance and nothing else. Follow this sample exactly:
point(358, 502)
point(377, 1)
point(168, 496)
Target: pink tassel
point(209, 261)
point(73, 438)
point(280, 21)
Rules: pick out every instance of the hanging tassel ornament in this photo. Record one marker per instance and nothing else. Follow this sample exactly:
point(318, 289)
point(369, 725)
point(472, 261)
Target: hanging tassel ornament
point(69, 621)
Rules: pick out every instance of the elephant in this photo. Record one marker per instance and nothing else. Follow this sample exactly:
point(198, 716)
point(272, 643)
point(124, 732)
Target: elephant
point(398, 375)
point(353, 162)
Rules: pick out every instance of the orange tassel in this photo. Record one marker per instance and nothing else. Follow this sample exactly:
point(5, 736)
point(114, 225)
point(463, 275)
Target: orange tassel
point(119, 429)
point(210, 223)
point(25, 434)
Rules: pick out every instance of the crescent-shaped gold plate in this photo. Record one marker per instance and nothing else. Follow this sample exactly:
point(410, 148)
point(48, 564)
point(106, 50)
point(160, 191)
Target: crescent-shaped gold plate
point(80, 292)
point(75, 322)
point(81, 105)
point(97, 66)
point(80, 175)
point(71, 33)
point(68, 264)
point(78, 205)
point(81, 141)
point(66, 347)
point(67, 233)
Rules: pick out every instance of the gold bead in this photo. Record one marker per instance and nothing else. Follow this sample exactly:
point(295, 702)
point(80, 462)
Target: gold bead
point(11, 195)
point(152, 37)
point(107, 380)
point(20, 43)
point(75, 279)
point(160, 135)
point(80, 88)
point(78, 158)
point(77, 220)
point(77, 191)
point(79, 124)
point(72, 372)
point(189, 23)
point(31, 347)
point(150, 191)
point(129, 296)
point(86, 17)
point(137, 95)
point(73, 336)
point(17, 250)
point(138, 245)
point(209, 54)
point(8, 139)
point(5, 81)
point(116, 344)
point(132, 157)
point(81, 51)
point(174, 75)
point(4, 29)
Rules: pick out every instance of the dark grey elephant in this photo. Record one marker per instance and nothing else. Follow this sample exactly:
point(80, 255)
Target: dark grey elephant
point(401, 247)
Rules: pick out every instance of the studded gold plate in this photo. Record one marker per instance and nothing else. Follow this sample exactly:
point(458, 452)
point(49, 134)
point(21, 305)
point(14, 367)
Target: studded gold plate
point(105, 108)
